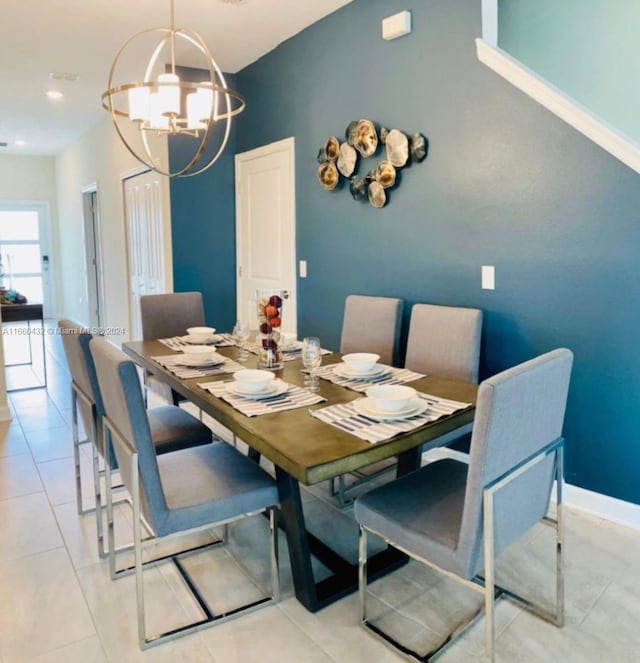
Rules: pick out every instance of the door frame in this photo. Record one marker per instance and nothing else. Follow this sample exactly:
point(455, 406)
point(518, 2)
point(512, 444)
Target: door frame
point(89, 190)
point(44, 217)
point(288, 146)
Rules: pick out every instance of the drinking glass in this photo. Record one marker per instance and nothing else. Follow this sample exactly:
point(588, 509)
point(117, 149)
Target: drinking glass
point(311, 358)
point(241, 333)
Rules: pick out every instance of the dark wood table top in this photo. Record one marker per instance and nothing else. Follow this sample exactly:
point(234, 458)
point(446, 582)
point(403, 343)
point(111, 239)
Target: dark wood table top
point(305, 447)
point(21, 312)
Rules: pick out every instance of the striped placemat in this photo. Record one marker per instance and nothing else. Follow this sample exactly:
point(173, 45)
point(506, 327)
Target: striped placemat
point(393, 376)
point(287, 355)
point(294, 397)
point(177, 343)
point(345, 417)
point(172, 363)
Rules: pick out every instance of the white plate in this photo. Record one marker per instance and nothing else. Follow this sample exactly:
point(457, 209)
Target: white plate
point(199, 363)
point(291, 347)
point(345, 372)
point(209, 341)
point(276, 388)
point(366, 407)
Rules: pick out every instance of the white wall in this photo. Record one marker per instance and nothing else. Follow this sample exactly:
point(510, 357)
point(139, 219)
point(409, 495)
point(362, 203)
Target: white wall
point(99, 157)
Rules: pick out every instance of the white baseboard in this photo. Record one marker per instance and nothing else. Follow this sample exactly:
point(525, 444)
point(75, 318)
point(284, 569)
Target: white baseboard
point(602, 506)
point(595, 504)
point(5, 413)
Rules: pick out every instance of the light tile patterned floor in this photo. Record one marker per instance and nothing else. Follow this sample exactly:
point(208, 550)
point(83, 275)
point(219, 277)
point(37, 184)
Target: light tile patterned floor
point(58, 604)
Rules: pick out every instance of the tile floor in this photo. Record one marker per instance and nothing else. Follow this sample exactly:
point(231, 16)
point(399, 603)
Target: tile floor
point(58, 604)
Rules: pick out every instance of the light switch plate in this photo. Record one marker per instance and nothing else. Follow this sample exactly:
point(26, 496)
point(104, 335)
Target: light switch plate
point(488, 277)
point(302, 269)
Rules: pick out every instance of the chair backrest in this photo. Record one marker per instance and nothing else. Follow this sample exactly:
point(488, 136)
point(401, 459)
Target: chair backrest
point(372, 324)
point(75, 341)
point(519, 412)
point(170, 314)
point(445, 341)
point(125, 411)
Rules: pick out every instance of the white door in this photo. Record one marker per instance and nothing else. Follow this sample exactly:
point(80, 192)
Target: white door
point(265, 229)
point(143, 210)
point(25, 252)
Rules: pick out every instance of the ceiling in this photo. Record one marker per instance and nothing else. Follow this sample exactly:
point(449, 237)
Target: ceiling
point(83, 37)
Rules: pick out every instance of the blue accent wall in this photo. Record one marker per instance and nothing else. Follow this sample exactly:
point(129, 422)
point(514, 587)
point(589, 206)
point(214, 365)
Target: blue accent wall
point(203, 228)
point(506, 183)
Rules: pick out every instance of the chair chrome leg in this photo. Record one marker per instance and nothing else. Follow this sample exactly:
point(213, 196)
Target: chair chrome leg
point(275, 560)
point(111, 543)
point(102, 553)
point(362, 573)
point(137, 548)
point(489, 590)
point(76, 448)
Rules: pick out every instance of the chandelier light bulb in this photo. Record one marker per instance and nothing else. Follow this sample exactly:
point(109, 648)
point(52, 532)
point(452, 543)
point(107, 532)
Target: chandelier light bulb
point(139, 104)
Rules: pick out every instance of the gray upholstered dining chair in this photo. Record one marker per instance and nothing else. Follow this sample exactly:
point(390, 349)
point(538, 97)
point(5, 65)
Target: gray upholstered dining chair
point(458, 517)
point(179, 492)
point(372, 324)
point(171, 428)
point(443, 341)
point(166, 315)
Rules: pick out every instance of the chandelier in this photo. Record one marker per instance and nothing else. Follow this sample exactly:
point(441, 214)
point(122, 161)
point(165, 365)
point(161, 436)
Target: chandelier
point(164, 104)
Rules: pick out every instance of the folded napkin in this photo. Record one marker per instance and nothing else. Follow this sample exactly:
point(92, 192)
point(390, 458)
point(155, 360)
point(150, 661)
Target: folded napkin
point(392, 376)
point(172, 363)
point(345, 417)
point(294, 397)
point(178, 343)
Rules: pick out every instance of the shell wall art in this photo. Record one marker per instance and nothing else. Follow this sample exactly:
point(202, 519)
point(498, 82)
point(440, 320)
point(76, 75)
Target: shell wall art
point(362, 140)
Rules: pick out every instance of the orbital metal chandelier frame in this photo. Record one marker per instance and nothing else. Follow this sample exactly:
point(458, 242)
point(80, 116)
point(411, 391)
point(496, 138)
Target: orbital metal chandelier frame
point(155, 106)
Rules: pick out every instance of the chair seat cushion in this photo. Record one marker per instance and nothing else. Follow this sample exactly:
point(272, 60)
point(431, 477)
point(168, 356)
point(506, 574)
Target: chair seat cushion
point(420, 512)
point(211, 484)
point(173, 429)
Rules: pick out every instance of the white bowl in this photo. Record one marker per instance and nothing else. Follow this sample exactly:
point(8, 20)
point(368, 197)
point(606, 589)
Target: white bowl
point(360, 362)
point(200, 334)
point(253, 380)
point(199, 352)
point(390, 397)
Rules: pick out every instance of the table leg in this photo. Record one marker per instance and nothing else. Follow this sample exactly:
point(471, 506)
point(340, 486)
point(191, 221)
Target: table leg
point(302, 545)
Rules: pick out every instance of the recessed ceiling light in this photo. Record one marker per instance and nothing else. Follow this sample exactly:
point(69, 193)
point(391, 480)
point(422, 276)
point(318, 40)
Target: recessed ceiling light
point(55, 94)
point(20, 143)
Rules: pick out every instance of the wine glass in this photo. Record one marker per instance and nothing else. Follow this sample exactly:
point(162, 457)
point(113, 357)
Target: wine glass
point(241, 333)
point(312, 358)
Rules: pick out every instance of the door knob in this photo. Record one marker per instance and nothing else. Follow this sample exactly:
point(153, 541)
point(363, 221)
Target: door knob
point(284, 294)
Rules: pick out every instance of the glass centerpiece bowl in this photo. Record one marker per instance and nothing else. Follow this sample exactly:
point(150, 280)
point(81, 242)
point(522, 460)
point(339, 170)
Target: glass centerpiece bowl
point(269, 310)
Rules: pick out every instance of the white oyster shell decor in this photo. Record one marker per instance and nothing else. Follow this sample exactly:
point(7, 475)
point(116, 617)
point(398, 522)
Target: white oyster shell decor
point(347, 159)
point(377, 195)
point(397, 146)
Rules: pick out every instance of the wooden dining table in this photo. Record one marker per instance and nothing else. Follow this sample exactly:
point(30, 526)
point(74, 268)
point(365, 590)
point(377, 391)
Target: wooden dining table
point(307, 451)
